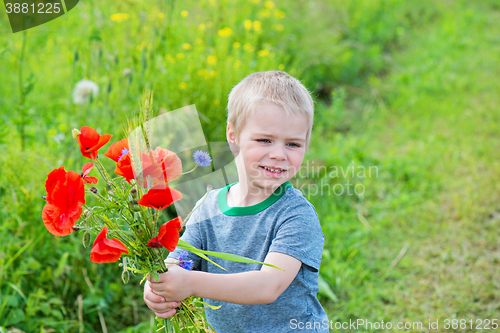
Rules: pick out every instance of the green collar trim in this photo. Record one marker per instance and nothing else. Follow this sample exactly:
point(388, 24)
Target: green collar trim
point(250, 210)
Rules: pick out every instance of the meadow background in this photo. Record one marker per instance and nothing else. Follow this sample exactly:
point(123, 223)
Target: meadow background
point(408, 87)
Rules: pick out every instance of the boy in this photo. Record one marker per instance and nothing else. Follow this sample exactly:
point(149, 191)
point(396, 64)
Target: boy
point(261, 216)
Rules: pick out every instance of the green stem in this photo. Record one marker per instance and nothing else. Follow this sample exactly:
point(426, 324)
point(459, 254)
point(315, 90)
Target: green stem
point(195, 208)
point(104, 174)
point(195, 166)
point(21, 91)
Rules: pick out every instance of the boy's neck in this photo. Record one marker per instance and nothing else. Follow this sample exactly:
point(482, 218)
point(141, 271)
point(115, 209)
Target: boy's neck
point(236, 198)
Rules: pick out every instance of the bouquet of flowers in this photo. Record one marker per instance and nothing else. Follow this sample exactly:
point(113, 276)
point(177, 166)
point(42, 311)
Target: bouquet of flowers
point(127, 221)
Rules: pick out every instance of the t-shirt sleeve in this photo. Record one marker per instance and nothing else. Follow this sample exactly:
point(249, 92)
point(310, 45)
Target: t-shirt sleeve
point(300, 236)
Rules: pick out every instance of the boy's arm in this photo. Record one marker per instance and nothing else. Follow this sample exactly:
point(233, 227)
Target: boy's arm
point(254, 287)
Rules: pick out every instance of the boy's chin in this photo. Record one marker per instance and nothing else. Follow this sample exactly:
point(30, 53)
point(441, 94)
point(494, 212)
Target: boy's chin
point(269, 184)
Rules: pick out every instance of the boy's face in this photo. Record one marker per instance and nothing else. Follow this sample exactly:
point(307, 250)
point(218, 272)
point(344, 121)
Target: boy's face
point(269, 140)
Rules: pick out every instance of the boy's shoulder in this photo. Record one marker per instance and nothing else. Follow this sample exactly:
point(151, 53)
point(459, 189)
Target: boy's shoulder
point(290, 204)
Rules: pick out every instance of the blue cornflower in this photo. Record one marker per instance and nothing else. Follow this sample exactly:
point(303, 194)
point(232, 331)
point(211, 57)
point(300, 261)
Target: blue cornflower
point(202, 158)
point(186, 264)
point(124, 152)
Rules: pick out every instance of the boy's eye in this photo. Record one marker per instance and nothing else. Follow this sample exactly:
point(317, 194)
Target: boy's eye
point(294, 144)
point(263, 140)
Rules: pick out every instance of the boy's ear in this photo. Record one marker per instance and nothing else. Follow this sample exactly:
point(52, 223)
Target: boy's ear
point(231, 139)
point(230, 134)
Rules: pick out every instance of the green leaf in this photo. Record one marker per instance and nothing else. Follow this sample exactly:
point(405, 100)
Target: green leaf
point(324, 289)
point(231, 257)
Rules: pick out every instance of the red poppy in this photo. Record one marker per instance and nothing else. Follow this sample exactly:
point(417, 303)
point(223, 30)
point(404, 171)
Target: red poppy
point(117, 150)
point(168, 236)
point(106, 250)
point(58, 222)
point(87, 167)
point(90, 141)
point(54, 177)
point(65, 193)
point(162, 164)
point(160, 196)
point(124, 168)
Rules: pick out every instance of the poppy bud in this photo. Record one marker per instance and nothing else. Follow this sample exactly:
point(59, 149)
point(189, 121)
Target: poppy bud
point(93, 190)
point(139, 232)
point(86, 239)
point(133, 192)
point(125, 276)
point(75, 133)
point(75, 228)
point(135, 206)
point(209, 187)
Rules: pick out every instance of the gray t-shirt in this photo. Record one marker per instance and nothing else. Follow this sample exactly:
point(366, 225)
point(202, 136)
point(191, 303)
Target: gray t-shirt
point(286, 223)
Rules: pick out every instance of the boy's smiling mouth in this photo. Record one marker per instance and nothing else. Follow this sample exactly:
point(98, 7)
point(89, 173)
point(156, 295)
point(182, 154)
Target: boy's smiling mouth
point(273, 171)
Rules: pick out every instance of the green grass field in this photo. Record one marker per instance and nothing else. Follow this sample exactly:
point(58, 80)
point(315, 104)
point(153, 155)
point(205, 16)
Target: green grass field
point(407, 96)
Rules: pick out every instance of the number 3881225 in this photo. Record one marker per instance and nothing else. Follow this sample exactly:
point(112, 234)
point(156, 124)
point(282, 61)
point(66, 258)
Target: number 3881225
point(39, 8)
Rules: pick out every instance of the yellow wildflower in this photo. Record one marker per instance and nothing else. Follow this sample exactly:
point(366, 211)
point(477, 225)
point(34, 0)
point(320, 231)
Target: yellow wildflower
point(236, 45)
point(187, 46)
point(264, 13)
point(279, 14)
point(170, 58)
point(141, 46)
point(180, 56)
point(281, 67)
point(263, 53)
point(212, 60)
point(120, 17)
point(248, 24)
point(213, 73)
point(279, 27)
point(161, 15)
point(248, 47)
point(216, 102)
point(256, 1)
point(203, 72)
point(237, 64)
point(199, 41)
point(226, 32)
point(184, 13)
point(183, 85)
point(257, 25)
point(269, 4)
point(202, 26)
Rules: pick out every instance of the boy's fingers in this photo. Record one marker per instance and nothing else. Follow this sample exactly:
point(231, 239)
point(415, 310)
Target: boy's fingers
point(161, 307)
point(165, 315)
point(151, 296)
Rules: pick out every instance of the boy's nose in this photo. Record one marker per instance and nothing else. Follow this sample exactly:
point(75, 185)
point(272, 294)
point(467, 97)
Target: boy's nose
point(277, 153)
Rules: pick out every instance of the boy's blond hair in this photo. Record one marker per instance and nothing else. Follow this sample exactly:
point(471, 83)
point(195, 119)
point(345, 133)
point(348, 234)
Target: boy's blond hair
point(272, 86)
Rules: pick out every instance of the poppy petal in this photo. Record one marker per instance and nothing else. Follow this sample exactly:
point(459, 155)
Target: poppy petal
point(169, 233)
point(160, 197)
point(90, 180)
point(116, 149)
point(87, 167)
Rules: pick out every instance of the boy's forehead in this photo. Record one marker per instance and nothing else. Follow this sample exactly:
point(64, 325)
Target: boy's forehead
point(272, 123)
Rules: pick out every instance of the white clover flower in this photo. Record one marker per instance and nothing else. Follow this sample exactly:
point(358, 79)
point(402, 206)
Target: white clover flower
point(82, 91)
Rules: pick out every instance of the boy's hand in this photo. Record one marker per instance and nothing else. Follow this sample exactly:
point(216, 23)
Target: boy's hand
point(172, 285)
point(158, 304)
